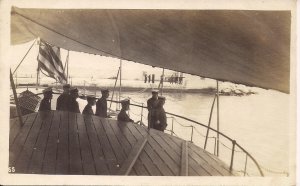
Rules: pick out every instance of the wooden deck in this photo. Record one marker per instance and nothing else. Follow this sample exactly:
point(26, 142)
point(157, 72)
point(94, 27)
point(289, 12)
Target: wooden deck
point(67, 143)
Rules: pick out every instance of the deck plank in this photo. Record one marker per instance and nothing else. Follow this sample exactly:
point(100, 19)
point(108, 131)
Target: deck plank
point(116, 146)
point(144, 157)
point(37, 158)
point(176, 157)
point(151, 168)
point(62, 162)
point(52, 143)
point(174, 151)
point(156, 159)
point(74, 147)
point(68, 143)
point(192, 172)
point(211, 170)
point(85, 147)
point(17, 145)
point(133, 173)
point(109, 156)
point(123, 128)
point(155, 155)
point(29, 145)
point(217, 165)
point(176, 143)
point(127, 141)
point(100, 164)
point(171, 164)
point(126, 146)
point(216, 161)
point(184, 159)
point(15, 127)
point(132, 157)
point(161, 151)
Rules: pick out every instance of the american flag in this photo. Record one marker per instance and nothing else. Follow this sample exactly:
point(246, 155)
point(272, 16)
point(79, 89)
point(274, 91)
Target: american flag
point(50, 63)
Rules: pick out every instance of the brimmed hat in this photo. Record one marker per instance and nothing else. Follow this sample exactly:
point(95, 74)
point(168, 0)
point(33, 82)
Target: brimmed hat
point(104, 90)
point(66, 86)
point(155, 91)
point(48, 90)
point(73, 90)
point(90, 97)
point(125, 102)
point(161, 97)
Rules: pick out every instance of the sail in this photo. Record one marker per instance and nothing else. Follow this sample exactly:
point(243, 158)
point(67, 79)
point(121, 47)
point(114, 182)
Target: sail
point(50, 62)
point(241, 46)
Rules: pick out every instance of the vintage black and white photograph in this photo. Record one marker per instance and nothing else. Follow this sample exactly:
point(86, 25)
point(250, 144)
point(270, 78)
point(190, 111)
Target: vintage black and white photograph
point(151, 92)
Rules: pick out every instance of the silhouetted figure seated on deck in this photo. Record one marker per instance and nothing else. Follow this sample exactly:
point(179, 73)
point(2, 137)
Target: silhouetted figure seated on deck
point(73, 104)
point(101, 105)
point(63, 99)
point(45, 104)
point(88, 108)
point(159, 115)
point(123, 116)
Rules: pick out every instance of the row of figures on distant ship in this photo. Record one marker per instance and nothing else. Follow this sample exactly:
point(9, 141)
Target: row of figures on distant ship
point(67, 102)
point(149, 78)
point(175, 78)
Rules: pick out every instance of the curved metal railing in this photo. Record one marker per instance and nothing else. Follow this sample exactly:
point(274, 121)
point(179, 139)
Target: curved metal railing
point(234, 143)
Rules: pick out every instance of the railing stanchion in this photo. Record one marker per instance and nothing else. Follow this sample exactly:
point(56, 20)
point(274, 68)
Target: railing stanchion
point(232, 155)
point(245, 165)
point(215, 145)
point(192, 133)
point(142, 113)
point(218, 117)
point(172, 131)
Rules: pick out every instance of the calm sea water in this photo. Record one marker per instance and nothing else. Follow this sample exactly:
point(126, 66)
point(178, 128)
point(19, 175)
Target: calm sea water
point(259, 123)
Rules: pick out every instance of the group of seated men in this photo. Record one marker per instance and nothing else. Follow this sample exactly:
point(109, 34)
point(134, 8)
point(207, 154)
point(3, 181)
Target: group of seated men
point(67, 102)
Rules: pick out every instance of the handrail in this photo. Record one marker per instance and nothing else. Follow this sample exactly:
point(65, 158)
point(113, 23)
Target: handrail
point(198, 123)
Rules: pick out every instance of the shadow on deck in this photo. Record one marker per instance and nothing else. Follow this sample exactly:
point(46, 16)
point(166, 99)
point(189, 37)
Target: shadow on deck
point(59, 142)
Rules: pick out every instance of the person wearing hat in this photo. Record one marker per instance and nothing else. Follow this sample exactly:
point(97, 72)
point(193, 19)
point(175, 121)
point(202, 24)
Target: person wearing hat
point(63, 99)
point(123, 116)
point(101, 105)
point(159, 115)
point(91, 101)
point(151, 104)
point(45, 104)
point(72, 103)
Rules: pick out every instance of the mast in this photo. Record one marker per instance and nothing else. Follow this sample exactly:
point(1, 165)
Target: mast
point(218, 124)
point(67, 66)
point(37, 76)
point(162, 81)
point(16, 80)
point(83, 87)
point(120, 81)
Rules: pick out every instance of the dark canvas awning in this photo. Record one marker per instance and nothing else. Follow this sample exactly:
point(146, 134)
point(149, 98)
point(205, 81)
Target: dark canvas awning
point(246, 47)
